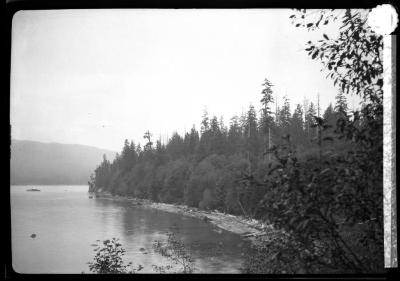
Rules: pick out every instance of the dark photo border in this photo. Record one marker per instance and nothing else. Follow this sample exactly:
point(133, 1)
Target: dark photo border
point(13, 6)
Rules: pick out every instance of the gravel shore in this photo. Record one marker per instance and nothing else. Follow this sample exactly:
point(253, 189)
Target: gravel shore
point(247, 228)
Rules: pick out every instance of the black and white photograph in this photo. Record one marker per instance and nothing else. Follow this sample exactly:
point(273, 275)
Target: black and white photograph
point(229, 141)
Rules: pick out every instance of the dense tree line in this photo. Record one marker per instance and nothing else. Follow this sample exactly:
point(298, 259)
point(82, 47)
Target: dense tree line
point(206, 169)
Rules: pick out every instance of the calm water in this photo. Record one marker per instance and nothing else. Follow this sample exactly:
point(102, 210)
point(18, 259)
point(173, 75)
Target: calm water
point(67, 223)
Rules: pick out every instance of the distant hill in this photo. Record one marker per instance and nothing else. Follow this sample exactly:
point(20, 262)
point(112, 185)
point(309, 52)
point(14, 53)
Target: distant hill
point(53, 163)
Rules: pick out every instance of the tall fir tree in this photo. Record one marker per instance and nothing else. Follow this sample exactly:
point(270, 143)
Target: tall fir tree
point(266, 119)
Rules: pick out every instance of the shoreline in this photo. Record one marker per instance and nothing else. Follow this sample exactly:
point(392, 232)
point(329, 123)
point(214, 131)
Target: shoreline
point(249, 229)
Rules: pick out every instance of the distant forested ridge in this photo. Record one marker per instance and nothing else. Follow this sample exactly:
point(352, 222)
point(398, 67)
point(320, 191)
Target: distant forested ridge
point(53, 163)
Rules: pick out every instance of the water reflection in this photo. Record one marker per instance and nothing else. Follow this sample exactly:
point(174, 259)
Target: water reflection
point(68, 223)
point(215, 250)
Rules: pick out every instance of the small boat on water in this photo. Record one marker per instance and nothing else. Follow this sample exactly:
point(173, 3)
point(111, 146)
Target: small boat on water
point(33, 189)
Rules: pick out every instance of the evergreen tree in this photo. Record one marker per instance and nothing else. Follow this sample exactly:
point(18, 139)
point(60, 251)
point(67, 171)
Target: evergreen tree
point(125, 155)
point(205, 122)
point(139, 150)
point(341, 103)
point(217, 138)
point(147, 135)
point(186, 144)
point(243, 123)
point(161, 154)
point(234, 135)
point(266, 119)
point(175, 146)
point(222, 126)
point(193, 140)
point(309, 120)
point(267, 98)
point(285, 116)
point(329, 115)
point(251, 136)
point(296, 126)
point(214, 126)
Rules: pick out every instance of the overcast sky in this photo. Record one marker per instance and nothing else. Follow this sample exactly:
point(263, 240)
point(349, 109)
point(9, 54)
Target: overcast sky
point(97, 77)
